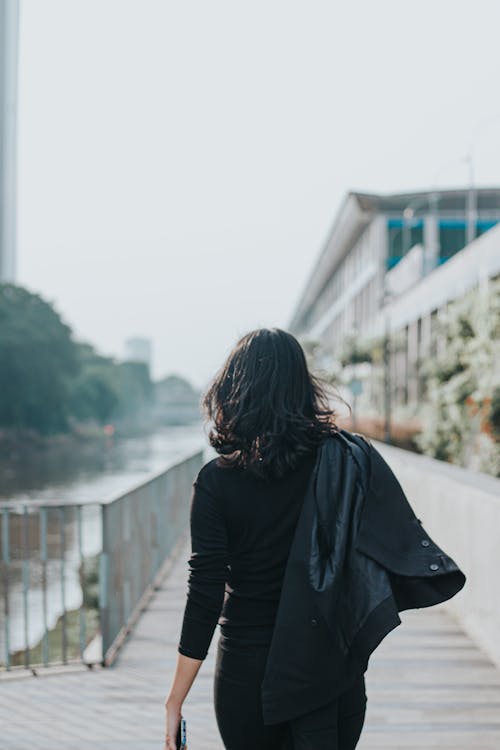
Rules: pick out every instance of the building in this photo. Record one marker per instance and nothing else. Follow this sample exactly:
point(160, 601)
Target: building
point(9, 28)
point(176, 401)
point(139, 349)
point(371, 236)
point(391, 262)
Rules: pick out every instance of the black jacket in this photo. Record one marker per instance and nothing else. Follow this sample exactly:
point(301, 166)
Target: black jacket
point(358, 557)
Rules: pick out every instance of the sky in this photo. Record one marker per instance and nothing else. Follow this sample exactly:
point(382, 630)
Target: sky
point(181, 163)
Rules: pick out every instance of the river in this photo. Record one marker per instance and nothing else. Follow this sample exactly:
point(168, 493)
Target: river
point(91, 471)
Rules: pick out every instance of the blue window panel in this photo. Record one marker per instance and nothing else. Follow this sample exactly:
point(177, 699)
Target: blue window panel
point(452, 223)
point(392, 260)
point(398, 223)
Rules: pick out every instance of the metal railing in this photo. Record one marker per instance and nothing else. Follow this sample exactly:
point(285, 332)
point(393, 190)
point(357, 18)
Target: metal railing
point(74, 577)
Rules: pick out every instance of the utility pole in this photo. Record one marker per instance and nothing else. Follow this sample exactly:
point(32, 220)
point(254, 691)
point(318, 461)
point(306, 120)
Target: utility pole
point(471, 200)
point(9, 29)
point(387, 376)
point(386, 296)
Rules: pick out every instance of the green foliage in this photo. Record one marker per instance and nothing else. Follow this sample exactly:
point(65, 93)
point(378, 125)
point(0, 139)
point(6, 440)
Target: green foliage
point(461, 419)
point(495, 413)
point(320, 362)
point(94, 393)
point(311, 347)
point(37, 361)
point(90, 582)
point(92, 627)
point(49, 381)
point(355, 350)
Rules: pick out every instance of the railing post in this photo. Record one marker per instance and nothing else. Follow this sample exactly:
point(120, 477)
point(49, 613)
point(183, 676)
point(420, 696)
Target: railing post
point(82, 620)
point(43, 559)
point(104, 584)
point(26, 585)
point(6, 571)
point(64, 641)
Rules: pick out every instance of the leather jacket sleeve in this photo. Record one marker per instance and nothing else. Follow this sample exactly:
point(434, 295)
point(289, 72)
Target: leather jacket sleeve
point(421, 573)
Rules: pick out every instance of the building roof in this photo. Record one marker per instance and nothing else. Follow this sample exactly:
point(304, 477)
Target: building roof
point(358, 209)
point(446, 200)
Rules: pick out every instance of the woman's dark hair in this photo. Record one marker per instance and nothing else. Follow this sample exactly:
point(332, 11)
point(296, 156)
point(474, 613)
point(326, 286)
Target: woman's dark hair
point(268, 410)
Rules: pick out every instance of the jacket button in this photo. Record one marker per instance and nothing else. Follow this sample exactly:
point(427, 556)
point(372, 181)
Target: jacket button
point(434, 566)
point(314, 621)
point(424, 542)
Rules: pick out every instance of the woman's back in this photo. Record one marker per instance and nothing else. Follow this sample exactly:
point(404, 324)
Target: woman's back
point(242, 527)
point(268, 417)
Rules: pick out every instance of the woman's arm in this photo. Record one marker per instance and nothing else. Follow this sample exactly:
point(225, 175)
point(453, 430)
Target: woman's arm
point(206, 587)
point(185, 673)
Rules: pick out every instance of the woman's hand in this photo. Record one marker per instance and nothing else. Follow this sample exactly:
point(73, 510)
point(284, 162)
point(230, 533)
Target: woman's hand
point(173, 715)
point(185, 672)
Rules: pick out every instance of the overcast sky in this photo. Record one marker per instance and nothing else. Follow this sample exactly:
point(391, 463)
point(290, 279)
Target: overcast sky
point(181, 162)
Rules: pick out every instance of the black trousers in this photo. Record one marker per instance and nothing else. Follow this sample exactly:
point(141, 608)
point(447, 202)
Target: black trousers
point(238, 710)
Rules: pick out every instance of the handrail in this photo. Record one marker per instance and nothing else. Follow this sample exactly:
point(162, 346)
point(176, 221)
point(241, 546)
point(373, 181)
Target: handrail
point(73, 574)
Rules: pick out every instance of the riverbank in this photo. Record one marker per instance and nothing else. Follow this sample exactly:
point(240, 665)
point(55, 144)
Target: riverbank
point(14, 440)
point(87, 466)
point(55, 638)
point(69, 626)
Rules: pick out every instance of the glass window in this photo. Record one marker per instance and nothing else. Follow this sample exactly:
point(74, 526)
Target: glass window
point(483, 225)
point(401, 237)
point(452, 237)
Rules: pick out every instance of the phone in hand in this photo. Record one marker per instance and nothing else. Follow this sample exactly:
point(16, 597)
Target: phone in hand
point(180, 740)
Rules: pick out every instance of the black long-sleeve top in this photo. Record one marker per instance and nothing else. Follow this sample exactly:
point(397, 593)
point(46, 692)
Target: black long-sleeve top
point(242, 528)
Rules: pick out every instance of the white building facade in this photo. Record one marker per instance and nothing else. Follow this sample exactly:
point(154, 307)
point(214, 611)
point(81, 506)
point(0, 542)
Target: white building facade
point(391, 262)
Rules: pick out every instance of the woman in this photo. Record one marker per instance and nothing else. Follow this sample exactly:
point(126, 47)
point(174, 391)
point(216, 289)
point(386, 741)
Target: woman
point(270, 415)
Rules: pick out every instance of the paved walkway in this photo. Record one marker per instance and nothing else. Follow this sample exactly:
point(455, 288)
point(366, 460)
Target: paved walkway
point(428, 687)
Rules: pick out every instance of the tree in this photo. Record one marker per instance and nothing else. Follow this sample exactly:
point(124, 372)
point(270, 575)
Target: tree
point(37, 361)
point(94, 393)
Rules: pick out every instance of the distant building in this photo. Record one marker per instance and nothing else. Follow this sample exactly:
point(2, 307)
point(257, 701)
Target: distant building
point(139, 349)
point(177, 402)
point(9, 29)
point(371, 236)
point(392, 262)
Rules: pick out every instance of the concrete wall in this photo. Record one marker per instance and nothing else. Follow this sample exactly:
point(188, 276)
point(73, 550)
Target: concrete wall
point(460, 509)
